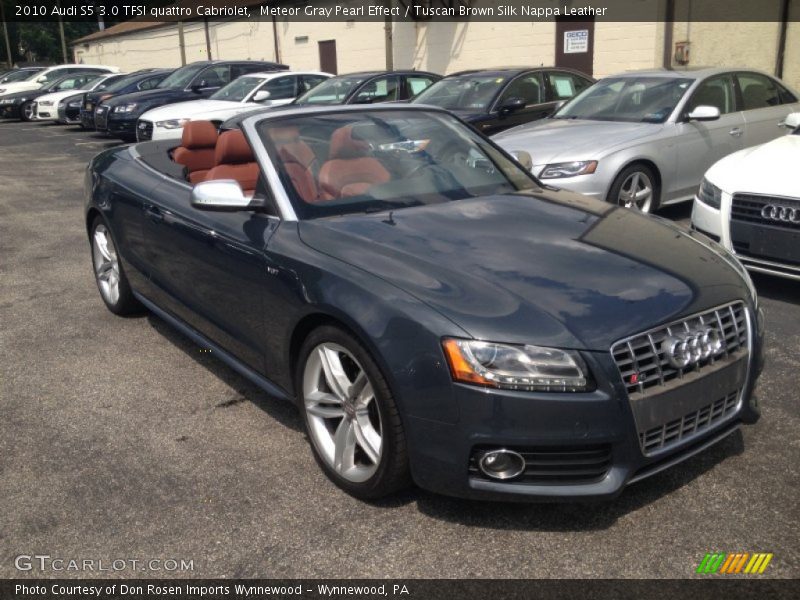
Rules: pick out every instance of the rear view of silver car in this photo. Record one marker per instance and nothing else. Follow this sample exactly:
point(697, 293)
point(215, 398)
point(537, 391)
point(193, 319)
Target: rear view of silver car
point(645, 139)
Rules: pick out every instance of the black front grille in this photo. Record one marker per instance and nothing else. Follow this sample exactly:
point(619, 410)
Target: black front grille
point(749, 208)
point(673, 432)
point(144, 131)
point(643, 364)
point(558, 465)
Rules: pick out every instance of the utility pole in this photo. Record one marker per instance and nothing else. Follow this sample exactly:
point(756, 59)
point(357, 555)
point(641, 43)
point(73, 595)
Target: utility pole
point(208, 39)
point(61, 33)
point(181, 43)
point(5, 32)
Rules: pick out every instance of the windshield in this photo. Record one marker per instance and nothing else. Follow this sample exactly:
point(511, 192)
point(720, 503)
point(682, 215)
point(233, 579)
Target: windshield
point(464, 92)
point(238, 89)
point(180, 78)
point(121, 84)
point(51, 76)
point(333, 91)
point(17, 76)
point(384, 161)
point(632, 99)
point(74, 82)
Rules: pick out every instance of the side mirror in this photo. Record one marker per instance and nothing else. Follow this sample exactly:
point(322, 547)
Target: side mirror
point(511, 105)
point(792, 121)
point(523, 158)
point(41, 79)
point(261, 95)
point(197, 87)
point(224, 195)
point(704, 113)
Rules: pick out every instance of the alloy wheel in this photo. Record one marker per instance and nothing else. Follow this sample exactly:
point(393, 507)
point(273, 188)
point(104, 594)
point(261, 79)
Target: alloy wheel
point(344, 422)
point(636, 192)
point(106, 264)
point(27, 111)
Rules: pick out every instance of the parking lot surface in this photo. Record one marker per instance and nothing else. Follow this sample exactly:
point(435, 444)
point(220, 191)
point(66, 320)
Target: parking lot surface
point(120, 439)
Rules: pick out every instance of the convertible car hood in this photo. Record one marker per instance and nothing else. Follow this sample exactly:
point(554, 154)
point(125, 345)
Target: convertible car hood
point(553, 268)
point(552, 140)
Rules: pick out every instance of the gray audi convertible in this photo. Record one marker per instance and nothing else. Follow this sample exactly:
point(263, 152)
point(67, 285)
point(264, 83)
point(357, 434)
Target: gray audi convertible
point(438, 315)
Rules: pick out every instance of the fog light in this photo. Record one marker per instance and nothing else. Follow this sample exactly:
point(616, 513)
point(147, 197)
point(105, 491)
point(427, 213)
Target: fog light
point(501, 464)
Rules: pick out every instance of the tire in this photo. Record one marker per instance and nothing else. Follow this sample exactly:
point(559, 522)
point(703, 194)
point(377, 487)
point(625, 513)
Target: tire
point(26, 111)
point(115, 290)
point(342, 434)
point(644, 178)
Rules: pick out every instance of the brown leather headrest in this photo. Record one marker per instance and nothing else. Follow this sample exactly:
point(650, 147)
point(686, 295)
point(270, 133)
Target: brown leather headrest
point(233, 149)
point(284, 135)
point(344, 145)
point(198, 135)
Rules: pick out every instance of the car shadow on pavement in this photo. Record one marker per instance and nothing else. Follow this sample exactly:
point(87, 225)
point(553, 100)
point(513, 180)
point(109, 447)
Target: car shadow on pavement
point(777, 288)
point(245, 391)
point(575, 516)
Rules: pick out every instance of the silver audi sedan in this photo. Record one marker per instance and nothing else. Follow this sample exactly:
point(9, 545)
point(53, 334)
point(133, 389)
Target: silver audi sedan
point(644, 139)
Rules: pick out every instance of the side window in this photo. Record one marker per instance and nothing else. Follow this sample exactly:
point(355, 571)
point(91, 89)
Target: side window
point(383, 89)
point(281, 88)
point(758, 91)
point(215, 76)
point(527, 87)
point(150, 83)
point(417, 84)
point(310, 82)
point(67, 84)
point(564, 86)
point(717, 91)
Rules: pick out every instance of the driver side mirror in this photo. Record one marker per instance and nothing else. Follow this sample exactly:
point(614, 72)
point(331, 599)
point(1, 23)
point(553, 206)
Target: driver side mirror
point(223, 195)
point(511, 105)
point(261, 95)
point(704, 113)
point(523, 158)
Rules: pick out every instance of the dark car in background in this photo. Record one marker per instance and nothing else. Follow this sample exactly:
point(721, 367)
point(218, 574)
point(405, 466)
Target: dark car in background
point(138, 81)
point(21, 104)
point(369, 87)
point(68, 110)
point(437, 314)
point(496, 99)
point(118, 115)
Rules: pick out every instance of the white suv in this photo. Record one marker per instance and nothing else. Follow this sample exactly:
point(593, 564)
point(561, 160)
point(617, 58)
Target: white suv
point(38, 79)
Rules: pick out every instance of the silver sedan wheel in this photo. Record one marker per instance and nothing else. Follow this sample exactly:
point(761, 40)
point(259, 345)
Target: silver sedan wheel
point(27, 110)
point(342, 413)
point(636, 192)
point(106, 264)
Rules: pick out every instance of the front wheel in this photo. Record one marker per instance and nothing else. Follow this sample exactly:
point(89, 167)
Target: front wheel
point(26, 111)
point(109, 275)
point(351, 418)
point(635, 187)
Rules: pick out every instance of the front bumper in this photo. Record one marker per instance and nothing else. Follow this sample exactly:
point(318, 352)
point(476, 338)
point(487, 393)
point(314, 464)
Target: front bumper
point(121, 126)
point(577, 447)
point(87, 118)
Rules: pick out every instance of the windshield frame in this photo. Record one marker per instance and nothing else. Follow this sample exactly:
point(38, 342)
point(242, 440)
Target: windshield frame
point(691, 81)
point(285, 197)
point(260, 81)
point(487, 108)
point(348, 94)
point(193, 69)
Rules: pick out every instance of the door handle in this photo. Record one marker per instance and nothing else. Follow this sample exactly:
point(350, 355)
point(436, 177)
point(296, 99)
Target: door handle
point(736, 131)
point(154, 214)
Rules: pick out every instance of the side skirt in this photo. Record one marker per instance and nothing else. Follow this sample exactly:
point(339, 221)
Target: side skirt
point(199, 339)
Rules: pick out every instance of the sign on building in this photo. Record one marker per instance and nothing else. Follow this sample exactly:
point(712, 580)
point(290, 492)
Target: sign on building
point(576, 41)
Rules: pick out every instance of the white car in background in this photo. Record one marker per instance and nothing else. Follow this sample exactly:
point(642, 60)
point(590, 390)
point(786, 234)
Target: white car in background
point(38, 79)
point(750, 203)
point(45, 108)
point(248, 92)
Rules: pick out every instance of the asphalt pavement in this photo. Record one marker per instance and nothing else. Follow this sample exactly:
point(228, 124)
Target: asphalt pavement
point(120, 439)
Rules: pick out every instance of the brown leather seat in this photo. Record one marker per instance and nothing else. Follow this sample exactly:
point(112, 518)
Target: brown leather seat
point(235, 160)
point(196, 151)
point(298, 159)
point(349, 171)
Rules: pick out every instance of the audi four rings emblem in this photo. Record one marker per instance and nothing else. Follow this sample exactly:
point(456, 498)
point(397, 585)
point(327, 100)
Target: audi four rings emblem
point(690, 347)
point(785, 214)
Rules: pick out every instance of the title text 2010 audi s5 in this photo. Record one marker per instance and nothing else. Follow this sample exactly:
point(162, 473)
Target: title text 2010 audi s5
point(439, 316)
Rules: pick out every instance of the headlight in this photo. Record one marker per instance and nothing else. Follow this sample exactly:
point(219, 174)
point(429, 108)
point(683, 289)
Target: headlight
point(568, 169)
point(172, 123)
point(709, 194)
point(125, 108)
point(526, 368)
point(45, 103)
point(2, 90)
